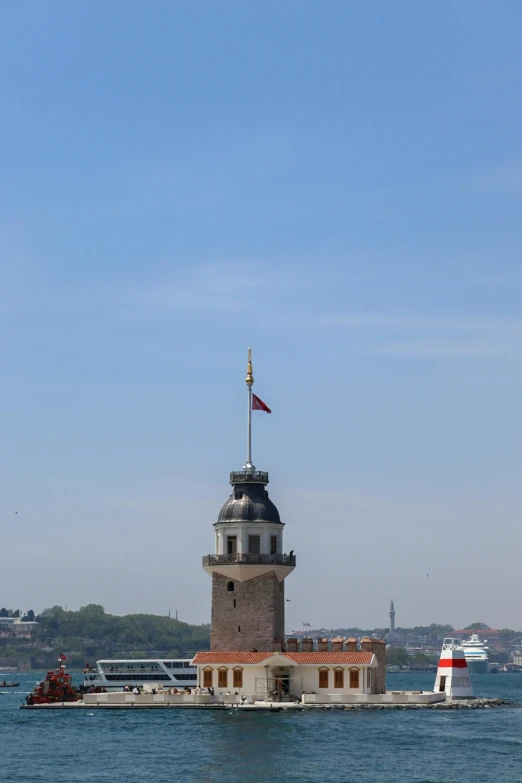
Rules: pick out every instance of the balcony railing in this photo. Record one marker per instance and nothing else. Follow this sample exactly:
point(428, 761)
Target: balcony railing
point(249, 477)
point(248, 559)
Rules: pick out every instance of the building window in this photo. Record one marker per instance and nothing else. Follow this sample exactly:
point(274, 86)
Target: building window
point(207, 678)
point(222, 678)
point(238, 678)
point(339, 678)
point(230, 587)
point(354, 678)
point(323, 678)
point(254, 545)
point(231, 545)
point(273, 545)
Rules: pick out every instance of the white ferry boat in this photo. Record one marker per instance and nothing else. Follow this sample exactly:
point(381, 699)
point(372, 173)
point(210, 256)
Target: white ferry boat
point(115, 674)
point(476, 654)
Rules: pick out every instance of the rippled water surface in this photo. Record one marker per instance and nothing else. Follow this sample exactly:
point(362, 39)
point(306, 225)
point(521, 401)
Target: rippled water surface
point(233, 747)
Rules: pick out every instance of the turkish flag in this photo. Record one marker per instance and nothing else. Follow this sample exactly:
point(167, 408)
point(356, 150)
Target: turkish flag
point(259, 405)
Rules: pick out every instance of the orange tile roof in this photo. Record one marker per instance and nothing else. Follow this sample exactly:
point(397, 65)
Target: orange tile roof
point(330, 657)
point(298, 657)
point(231, 657)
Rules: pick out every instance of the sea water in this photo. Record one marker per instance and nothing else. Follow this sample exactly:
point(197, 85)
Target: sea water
point(411, 746)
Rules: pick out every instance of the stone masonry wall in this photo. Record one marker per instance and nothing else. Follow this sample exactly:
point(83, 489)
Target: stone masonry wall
point(378, 647)
point(256, 619)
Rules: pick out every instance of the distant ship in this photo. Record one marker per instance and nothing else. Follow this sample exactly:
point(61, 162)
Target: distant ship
point(476, 654)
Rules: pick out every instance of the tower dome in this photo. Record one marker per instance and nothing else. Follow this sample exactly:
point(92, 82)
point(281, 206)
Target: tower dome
point(249, 502)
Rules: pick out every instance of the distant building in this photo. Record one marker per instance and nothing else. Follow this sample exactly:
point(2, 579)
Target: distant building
point(15, 628)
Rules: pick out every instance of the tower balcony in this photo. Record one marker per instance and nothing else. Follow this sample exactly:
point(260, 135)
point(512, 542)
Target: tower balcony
point(242, 566)
point(249, 477)
point(245, 558)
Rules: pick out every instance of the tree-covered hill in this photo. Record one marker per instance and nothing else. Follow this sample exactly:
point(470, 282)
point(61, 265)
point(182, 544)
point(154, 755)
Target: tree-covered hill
point(91, 633)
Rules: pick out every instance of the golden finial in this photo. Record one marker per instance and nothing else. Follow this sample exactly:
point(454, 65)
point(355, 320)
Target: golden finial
point(249, 376)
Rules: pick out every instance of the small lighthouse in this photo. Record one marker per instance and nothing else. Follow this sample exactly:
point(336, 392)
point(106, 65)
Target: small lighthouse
point(452, 674)
point(249, 565)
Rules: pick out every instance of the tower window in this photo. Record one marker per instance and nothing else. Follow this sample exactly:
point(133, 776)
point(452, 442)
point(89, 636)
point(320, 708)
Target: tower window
point(230, 587)
point(238, 494)
point(254, 545)
point(234, 603)
point(239, 629)
point(273, 545)
point(231, 545)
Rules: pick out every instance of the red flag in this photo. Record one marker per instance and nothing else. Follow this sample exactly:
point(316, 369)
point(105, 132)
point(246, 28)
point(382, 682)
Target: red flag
point(259, 405)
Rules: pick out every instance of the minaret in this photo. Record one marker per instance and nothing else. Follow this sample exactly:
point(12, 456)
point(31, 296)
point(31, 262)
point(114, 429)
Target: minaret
point(392, 616)
point(249, 565)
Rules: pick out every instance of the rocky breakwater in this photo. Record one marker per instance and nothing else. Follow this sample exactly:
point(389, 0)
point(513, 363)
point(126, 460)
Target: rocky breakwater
point(460, 704)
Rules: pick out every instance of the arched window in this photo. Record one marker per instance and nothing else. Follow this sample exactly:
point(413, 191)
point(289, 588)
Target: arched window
point(230, 587)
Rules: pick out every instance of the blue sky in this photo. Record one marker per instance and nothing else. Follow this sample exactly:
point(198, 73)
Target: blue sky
point(339, 184)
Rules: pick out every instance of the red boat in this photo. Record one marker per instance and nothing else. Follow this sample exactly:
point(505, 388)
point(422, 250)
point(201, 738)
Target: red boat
point(56, 686)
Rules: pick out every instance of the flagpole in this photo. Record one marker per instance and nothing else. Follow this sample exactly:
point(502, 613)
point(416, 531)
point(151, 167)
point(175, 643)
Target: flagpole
point(249, 381)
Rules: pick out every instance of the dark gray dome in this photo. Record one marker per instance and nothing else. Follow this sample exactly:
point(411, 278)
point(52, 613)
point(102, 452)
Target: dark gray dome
point(249, 503)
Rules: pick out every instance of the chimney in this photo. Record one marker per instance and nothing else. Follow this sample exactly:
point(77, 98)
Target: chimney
point(338, 644)
point(291, 644)
point(307, 645)
point(322, 645)
point(351, 644)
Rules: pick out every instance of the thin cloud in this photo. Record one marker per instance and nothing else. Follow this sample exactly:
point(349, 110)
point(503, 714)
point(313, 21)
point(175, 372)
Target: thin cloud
point(216, 288)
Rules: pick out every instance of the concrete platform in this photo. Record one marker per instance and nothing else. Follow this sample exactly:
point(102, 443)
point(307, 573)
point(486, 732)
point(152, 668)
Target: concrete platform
point(120, 700)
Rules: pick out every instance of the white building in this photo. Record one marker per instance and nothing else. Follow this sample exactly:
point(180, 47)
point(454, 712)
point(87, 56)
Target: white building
point(279, 676)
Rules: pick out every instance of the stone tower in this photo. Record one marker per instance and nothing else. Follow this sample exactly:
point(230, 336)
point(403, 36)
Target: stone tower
point(249, 565)
point(392, 616)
